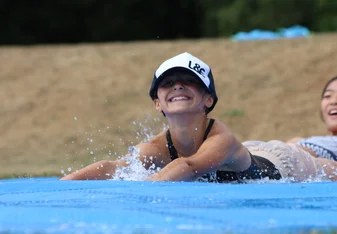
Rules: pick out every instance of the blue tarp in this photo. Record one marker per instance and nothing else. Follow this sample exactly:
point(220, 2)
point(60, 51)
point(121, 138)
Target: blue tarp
point(292, 32)
point(52, 206)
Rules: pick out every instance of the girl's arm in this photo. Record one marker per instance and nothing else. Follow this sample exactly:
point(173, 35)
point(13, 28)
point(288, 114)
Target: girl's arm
point(101, 170)
point(149, 154)
point(221, 150)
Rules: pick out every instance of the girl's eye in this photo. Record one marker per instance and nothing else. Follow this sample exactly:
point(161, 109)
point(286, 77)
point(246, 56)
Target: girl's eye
point(326, 96)
point(168, 83)
point(190, 81)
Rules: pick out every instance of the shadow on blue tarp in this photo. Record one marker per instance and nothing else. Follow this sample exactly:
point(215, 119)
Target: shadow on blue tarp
point(292, 32)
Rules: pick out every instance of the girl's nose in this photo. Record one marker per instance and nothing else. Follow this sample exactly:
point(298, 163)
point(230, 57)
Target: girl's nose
point(178, 85)
point(333, 100)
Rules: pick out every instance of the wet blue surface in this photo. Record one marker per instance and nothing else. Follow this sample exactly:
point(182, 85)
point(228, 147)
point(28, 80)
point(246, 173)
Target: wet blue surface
point(50, 206)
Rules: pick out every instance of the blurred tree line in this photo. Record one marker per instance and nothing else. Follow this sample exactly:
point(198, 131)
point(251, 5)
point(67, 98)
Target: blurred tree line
point(72, 21)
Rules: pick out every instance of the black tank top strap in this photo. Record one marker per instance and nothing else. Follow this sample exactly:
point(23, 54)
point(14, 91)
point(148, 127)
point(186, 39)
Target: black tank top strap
point(208, 129)
point(172, 150)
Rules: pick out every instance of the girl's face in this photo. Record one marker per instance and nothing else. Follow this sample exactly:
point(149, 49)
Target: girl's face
point(182, 93)
point(329, 107)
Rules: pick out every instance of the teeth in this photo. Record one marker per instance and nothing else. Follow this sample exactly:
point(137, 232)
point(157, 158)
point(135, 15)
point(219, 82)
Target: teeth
point(178, 98)
point(332, 112)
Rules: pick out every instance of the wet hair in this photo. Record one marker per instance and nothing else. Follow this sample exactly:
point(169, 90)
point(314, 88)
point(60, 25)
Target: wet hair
point(327, 84)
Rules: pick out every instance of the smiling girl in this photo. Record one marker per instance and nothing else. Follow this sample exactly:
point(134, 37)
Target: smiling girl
point(196, 147)
point(324, 146)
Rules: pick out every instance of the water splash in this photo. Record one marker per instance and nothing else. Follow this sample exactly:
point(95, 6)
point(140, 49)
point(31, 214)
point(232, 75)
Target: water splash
point(135, 170)
point(145, 132)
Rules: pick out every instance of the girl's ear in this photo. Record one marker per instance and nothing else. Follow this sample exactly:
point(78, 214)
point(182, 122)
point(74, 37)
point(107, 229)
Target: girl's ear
point(157, 105)
point(209, 101)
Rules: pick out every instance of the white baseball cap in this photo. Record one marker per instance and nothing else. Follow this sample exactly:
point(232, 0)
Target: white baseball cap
point(187, 63)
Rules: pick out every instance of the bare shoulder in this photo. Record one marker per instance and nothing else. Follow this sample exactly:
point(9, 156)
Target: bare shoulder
point(223, 147)
point(219, 128)
point(154, 151)
point(222, 136)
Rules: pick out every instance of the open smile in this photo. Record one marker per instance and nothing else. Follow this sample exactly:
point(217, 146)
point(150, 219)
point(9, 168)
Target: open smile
point(332, 113)
point(179, 98)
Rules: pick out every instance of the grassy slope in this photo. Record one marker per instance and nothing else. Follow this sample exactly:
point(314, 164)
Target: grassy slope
point(69, 105)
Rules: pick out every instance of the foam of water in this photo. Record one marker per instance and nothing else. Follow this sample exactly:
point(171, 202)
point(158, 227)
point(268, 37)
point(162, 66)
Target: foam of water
point(135, 170)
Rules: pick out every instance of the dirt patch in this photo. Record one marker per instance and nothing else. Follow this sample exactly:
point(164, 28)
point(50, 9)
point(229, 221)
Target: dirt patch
point(67, 106)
